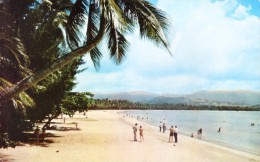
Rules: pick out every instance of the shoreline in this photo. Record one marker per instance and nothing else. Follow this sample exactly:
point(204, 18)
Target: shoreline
point(107, 136)
point(204, 141)
point(241, 150)
point(208, 138)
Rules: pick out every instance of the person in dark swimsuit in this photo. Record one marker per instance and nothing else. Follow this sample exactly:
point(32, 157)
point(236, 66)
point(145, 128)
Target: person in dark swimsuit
point(141, 131)
point(171, 134)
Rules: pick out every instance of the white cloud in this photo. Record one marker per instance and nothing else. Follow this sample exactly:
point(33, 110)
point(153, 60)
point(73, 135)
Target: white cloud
point(241, 12)
point(215, 46)
point(209, 40)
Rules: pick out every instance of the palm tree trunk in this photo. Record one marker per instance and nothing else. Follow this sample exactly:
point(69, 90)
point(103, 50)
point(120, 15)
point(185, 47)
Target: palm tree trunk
point(33, 79)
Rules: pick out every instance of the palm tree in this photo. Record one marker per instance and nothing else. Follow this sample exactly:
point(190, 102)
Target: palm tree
point(110, 19)
point(14, 64)
point(13, 57)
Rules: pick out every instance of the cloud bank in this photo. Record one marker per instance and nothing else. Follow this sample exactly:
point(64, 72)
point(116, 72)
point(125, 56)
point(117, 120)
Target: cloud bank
point(215, 45)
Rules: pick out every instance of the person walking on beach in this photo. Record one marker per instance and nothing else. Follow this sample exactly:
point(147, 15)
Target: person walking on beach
point(141, 131)
point(175, 134)
point(135, 131)
point(160, 126)
point(171, 134)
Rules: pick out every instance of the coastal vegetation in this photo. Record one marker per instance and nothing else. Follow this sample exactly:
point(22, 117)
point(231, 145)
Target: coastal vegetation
point(41, 48)
point(105, 104)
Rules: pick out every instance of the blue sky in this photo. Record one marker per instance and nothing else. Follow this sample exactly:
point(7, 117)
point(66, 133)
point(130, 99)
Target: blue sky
point(215, 45)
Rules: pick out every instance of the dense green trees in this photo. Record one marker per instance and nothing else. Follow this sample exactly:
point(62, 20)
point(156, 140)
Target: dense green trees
point(14, 65)
point(42, 42)
point(39, 42)
point(76, 101)
point(45, 41)
point(111, 18)
point(105, 104)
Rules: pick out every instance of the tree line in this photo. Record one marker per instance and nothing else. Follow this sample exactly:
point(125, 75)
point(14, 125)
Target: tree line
point(106, 104)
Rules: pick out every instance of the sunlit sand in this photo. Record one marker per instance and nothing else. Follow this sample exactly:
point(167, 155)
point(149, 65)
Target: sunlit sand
point(108, 137)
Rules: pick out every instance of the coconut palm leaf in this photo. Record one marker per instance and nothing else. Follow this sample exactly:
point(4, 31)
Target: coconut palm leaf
point(15, 53)
point(121, 20)
point(152, 22)
point(92, 30)
point(15, 46)
point(117, 44)
point(75, 23)
point(60, 20)
point(21, 100)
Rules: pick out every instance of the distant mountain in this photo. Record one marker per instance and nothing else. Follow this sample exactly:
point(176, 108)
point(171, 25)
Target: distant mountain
point(242, 98)
point(169, 100)
point(231, 97)
point(135, 96)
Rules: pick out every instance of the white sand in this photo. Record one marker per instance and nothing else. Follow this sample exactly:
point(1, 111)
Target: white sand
point(108, 137)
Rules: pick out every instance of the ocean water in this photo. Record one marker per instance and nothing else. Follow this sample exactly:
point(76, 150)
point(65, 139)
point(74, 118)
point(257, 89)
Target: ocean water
point(236, 130)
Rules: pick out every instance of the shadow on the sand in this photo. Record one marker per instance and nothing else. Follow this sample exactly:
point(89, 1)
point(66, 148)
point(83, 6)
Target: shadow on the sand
point(30, 137)
point(133, 141)
point(67, 129)
point(31, 140)
point(5, 158)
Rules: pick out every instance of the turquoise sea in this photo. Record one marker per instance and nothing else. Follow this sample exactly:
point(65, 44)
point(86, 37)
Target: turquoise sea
point(236, 129)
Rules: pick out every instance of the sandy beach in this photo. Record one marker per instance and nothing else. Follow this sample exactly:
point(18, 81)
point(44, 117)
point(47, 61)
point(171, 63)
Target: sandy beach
point(108, 137)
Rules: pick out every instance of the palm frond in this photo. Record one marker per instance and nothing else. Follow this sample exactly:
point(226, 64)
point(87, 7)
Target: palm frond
point(124, 23)
point(59, 23)
point(117, 44)
point(95, 56)
point(16, 47)
point(75, 22)
point(62, 5)
point(26, 99)
point(19, 101)
point(60, 19)
point(91, 33)
point(153, 23)
point(18, 57)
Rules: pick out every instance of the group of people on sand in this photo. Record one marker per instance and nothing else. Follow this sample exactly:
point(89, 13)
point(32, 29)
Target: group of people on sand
point(173, 133)
point(140, 132)
point(38, 133)
point(162, 127)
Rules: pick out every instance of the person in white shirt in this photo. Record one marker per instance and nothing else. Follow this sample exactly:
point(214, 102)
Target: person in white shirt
point(175, 134)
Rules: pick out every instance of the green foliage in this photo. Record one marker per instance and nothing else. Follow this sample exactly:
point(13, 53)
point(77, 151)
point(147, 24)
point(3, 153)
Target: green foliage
point(126, 105)
point(43, 37)
point(51, 32)
point(56, 88)
point(111, 18)
point(76, 101)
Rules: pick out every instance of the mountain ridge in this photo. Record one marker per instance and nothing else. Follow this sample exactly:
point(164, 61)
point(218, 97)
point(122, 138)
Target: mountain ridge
point(203, 97)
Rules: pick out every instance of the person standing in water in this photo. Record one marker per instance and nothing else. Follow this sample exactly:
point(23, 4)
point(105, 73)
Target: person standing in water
point(164, 127)
point(200, 133)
